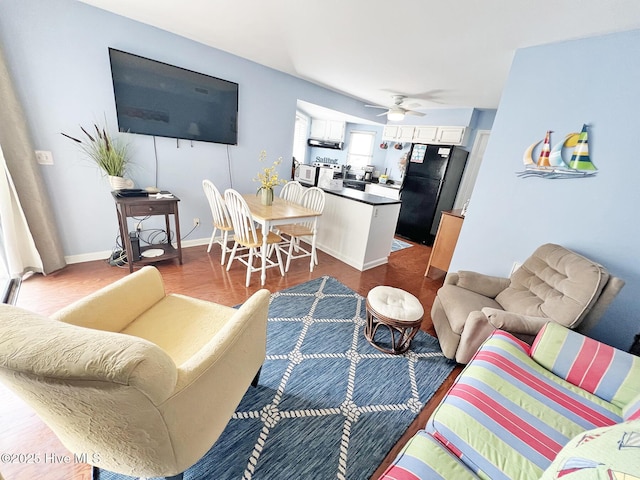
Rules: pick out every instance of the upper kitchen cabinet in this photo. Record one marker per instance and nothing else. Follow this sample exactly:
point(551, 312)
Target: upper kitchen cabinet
point(451, 135)
point(425, 135)
point(331, 130)
point(439, 135)
point(398, 133)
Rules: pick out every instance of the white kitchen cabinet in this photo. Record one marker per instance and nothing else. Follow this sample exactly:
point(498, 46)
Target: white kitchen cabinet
point(383, 191)
point(439, 135)
point(425, 134)
point(331, 130)
point(398, 133)
point(451, 135)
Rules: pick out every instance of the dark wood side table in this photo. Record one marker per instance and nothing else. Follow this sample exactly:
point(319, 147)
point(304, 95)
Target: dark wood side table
point(144, 207)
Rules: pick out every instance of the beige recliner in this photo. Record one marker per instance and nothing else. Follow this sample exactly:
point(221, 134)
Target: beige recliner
point(554, 284)
point(145, 381)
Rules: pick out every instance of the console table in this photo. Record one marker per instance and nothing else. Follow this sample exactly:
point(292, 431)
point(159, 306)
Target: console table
point(446, 239)
point(145, 207)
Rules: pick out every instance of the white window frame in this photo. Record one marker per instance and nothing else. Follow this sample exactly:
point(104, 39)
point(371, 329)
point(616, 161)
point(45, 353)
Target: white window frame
point(358, 160)
point(300, 134)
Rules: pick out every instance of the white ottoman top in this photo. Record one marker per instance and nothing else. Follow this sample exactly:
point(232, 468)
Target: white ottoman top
point(395, 303)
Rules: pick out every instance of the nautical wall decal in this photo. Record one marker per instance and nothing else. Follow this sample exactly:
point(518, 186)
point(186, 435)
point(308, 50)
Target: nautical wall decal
point(551, 164)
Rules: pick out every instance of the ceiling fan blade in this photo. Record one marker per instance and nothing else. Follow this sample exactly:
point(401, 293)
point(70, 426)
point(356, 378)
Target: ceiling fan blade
point(375, 106)
point(413, 112)
point(382, 114)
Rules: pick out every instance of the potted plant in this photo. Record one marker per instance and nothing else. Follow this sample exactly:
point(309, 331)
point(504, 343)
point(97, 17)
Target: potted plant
point(268, 179)
point(110, 154)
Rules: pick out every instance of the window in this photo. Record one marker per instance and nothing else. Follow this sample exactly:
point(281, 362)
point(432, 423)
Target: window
point(300, 137)
point(360, 149)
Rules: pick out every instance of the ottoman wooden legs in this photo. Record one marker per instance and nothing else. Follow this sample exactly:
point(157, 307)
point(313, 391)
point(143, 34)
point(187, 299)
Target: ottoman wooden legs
point(405, 307)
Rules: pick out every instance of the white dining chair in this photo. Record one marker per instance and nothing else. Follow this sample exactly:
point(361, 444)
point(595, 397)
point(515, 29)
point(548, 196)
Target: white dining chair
point(221, 220)
point(313, 199)
point(292, 191)
point(246, 235)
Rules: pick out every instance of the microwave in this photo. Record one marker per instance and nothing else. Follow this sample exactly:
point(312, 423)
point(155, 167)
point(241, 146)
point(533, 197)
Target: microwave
point(307, 175)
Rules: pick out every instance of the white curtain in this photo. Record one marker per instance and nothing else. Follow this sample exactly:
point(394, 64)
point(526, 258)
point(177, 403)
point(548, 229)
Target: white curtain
point(26, 216)
point(20, 253)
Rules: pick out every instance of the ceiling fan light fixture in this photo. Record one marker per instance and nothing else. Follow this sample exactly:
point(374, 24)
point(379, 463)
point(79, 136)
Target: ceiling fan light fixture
point(395, 115)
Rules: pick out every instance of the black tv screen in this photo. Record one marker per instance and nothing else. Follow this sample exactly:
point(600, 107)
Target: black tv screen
point(154, 98)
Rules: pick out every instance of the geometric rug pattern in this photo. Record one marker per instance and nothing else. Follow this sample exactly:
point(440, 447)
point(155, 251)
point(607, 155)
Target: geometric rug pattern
point(399, 245)
point(328, 404)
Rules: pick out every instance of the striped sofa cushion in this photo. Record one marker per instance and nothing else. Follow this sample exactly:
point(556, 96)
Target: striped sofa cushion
point(507, 417)
point(632, 410)
point(607, 372)
point(425, 458)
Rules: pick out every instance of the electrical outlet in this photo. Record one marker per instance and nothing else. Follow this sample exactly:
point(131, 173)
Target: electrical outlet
point(139, 227)
point(44, 157)
point(196, 222)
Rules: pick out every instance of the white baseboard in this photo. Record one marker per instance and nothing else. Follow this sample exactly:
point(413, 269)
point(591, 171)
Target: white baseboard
point(105, 254)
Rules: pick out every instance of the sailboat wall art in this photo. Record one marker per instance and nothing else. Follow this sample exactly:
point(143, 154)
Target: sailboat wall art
point(550, 162)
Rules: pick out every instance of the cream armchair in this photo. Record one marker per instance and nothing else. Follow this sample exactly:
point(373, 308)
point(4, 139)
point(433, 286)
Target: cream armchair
point(144, 380)
point(554, 284)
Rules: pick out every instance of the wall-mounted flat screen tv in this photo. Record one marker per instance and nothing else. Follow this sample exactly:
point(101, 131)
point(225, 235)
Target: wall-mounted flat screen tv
point(154, 98)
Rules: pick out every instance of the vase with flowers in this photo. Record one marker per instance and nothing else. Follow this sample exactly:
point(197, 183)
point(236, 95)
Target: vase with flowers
point(268, 179)
point(110, 154)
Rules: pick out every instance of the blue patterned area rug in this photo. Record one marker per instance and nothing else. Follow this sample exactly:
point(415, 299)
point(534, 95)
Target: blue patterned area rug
point(399, 245)
point(328, 404)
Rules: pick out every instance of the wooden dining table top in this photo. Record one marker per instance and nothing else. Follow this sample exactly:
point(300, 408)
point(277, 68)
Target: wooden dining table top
point(279, 210)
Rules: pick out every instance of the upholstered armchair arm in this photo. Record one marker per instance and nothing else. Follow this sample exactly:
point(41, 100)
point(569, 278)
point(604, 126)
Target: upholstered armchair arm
point(451, 279)
point(115, 306)
point(476, 330)
point(246, 330)
point(513, 322)
point(486, 285)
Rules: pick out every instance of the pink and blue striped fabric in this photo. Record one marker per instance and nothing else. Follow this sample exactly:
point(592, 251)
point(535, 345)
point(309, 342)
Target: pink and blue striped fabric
point(607, 372)
point(424, 458)
point(632, 410)
point(507, 417)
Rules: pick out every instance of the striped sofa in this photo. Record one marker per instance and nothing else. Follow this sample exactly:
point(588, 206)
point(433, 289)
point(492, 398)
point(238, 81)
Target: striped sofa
point(514, 407)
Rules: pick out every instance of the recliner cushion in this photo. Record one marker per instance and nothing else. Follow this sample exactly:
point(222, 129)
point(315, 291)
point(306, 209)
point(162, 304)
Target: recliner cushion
point(458, 302)
point(555, 283)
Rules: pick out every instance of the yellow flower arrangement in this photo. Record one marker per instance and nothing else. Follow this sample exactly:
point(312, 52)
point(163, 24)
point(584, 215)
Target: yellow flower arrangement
point(268, 177)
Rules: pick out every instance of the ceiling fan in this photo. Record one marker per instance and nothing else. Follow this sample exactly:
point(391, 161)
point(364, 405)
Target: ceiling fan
point(399, 109)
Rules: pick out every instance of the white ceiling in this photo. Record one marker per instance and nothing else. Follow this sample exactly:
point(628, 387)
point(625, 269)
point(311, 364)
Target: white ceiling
point(449, 53)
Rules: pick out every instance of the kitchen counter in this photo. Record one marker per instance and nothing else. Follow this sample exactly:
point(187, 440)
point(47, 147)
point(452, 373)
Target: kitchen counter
point(357, 228)
point(396, 184)
point(363, 197)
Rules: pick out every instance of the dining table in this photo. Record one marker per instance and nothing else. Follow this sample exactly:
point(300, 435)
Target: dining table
point(280, 212)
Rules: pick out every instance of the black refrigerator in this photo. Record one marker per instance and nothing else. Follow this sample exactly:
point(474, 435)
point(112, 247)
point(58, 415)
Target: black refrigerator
point(429, 187)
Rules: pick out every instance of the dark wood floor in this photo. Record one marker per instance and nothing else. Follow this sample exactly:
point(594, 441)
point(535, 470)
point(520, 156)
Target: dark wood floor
point(200, 276)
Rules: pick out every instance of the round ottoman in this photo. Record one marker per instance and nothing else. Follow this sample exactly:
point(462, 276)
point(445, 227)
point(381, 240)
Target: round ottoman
point(397, 310)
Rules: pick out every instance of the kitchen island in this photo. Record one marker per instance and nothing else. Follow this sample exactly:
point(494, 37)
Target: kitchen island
point(357, 227)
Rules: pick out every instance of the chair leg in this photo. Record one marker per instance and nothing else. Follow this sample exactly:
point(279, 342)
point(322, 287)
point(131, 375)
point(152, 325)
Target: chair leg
point(289, 253)
point(249, 266)
point(225, 239)
point(232, 256)
point(279, 255)
point(213, 236)
point(256, 379)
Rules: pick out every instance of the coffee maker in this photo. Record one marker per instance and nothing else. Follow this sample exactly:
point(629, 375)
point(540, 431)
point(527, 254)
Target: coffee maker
point(368, 173)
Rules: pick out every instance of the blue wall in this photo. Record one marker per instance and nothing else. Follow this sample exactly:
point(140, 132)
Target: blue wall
point(58, 57)
point(559, 87)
